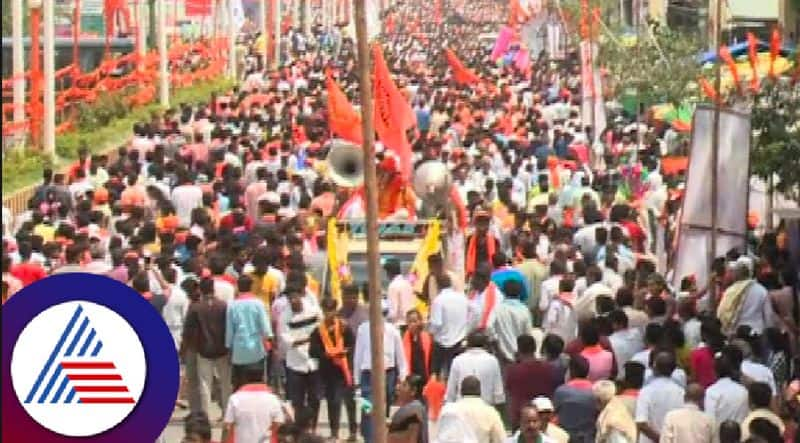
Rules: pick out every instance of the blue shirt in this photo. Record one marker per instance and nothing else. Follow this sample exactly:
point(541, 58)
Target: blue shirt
point(246, 327)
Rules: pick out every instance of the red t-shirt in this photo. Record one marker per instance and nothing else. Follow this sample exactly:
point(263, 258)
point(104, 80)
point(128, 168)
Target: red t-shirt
point(28, 273)
point(701, 362)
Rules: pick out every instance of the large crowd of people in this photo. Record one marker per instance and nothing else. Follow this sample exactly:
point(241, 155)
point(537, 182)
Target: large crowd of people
point(549, 315)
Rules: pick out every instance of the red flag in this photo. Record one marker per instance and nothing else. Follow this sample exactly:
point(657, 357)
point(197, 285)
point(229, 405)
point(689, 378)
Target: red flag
point(752, 50)
point(774, 50)
point(725, 55)
point(708, 90)
point(461, 73)
point(393, 114)
point(197, 8)
point(343, 120)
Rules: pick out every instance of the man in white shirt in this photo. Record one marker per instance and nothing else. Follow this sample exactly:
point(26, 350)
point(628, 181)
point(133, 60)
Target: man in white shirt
point(586, 304)
point(754, 308)
point(394, 362)
point(512, 319)
point(186, 196)
point(625, 341)
point(727, 399)
point(253, 412)
point(448, 323)
point(753, 370)
point(550, 289)
point(689, 424)
point(656, 399)
point(294, 334)
point(400, 293)
point(477, 361)
point(482, 421)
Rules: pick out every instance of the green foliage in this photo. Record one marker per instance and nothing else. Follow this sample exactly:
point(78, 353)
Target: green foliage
point(776, 130)
point(24, 168)
point(662, 66)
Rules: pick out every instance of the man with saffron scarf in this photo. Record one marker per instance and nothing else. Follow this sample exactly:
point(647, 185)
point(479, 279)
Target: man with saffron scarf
point(483, 299)
point(417, 345)
point(481, 245)
point(331, 343)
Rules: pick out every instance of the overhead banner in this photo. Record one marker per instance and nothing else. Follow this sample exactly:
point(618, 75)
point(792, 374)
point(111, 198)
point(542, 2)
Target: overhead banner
point(695, 228)
point(592, 90)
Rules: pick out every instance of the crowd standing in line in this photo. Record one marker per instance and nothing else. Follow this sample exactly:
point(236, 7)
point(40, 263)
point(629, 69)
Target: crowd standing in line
point(543, 320)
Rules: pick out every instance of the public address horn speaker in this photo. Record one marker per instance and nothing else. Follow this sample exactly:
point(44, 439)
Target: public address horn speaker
point(346, 164)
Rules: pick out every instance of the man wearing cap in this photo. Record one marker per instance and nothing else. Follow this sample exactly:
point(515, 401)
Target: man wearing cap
point(544, 407)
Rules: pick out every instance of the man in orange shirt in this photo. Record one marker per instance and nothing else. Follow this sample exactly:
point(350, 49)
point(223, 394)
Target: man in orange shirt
point(396, 194)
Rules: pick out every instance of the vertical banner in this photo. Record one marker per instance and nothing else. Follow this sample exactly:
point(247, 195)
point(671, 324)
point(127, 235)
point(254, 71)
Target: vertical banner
point(372, 11)
point(555, 41)
point(592, 90)
point(694, 236)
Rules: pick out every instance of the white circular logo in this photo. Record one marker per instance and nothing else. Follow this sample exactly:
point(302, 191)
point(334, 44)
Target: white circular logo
point(78, 368)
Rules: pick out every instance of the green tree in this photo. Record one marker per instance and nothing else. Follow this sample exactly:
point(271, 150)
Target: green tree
point(775, 153)
point(7, 18)
point(661, 65)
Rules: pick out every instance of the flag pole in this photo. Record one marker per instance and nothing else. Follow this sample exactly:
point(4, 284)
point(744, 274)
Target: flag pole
point(715, 156)
point(378, 372)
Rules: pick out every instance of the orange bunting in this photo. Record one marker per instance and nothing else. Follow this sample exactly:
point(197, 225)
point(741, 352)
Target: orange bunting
point(774, 50)
point(393, 114)
point(752, 51)
point(461, 74)
point(725, 55)
point(343, 120)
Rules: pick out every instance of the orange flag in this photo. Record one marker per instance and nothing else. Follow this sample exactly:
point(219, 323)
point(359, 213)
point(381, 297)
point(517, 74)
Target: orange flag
point(461, 73)
point(393, 114)
point(774, 50)
point(752, 51)
point(725, 55)
point(708, 90)
point(343, 120)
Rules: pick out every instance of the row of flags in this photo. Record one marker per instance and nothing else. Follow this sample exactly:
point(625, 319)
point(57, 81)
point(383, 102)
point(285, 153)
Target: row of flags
point(393, 115)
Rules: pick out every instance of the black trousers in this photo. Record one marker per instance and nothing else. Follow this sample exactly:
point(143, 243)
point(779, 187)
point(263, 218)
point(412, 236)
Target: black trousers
point(336, 393)
point(442, 357)
point(303, 392)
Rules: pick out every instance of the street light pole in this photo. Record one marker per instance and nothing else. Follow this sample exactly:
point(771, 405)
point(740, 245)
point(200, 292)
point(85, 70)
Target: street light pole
point(49, 78)
point(163, 63)
point(378, 373)
point(18, 61)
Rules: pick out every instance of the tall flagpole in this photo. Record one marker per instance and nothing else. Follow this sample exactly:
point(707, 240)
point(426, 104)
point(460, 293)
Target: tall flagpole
point(262, 13)
point(715, 151)
point(378, 372)
point(276, 40)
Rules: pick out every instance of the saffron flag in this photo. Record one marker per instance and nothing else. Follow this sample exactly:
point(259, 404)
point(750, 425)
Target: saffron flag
point(774, 50)
point(393, 114)
point(343, 120)
point(197, 8)
point(725, 55)
point(752, 52)
point(461, 73)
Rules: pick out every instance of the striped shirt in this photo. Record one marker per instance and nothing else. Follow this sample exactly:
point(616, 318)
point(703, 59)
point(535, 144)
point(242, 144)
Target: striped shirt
point(298, 326)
